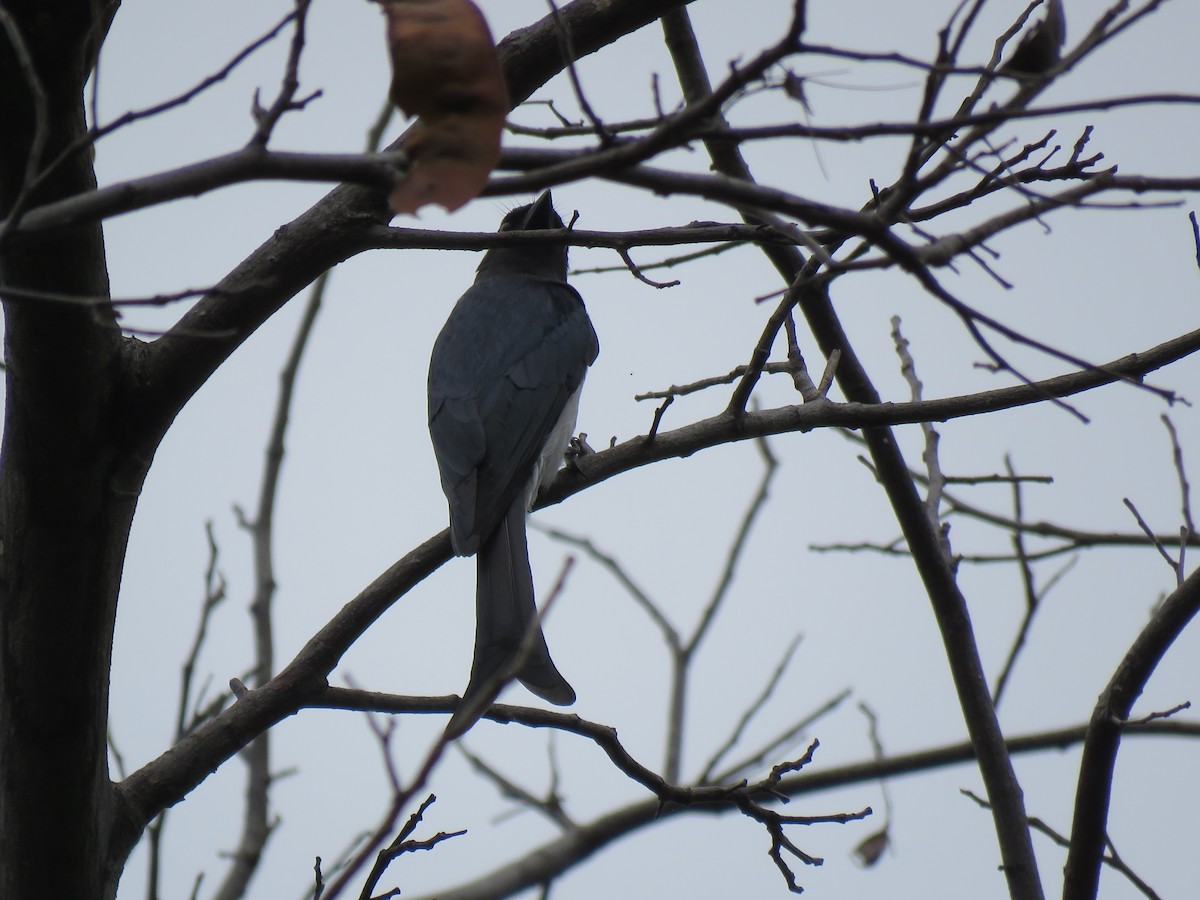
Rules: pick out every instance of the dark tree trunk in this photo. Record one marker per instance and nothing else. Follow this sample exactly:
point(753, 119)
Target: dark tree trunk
point(67, 490)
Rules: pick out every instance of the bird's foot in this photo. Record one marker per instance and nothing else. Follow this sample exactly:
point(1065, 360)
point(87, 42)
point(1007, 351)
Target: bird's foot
point(577, 449)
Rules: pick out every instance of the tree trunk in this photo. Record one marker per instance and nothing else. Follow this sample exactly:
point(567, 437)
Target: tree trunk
point(68, 488)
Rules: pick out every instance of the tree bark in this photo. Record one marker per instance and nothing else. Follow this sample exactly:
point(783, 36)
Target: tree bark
point(67, 488)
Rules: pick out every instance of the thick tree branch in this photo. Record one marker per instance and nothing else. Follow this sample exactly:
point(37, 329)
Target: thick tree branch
point(251, 163)
point(1094, 789)
point(393, 238)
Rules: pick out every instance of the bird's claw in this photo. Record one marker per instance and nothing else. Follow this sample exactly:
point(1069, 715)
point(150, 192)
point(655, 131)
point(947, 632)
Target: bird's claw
point(577, 448)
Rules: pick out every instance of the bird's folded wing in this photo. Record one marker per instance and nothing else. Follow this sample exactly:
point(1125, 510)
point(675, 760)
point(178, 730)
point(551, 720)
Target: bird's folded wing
point(494, 403)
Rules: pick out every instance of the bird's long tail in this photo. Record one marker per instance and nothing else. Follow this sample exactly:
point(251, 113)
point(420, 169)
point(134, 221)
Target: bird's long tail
point(508, 638)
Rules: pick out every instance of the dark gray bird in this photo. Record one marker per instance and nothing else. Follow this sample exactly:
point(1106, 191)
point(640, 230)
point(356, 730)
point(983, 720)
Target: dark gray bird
point(504, 383)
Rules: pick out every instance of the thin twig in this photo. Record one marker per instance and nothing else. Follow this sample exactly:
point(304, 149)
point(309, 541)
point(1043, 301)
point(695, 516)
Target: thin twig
point(550, 807)
point(1151, 536)
point(1110, 859)
point(186, 719)
point(568, 51)
point(285, 101)
point(1032, 596)
point(369, 845)
point(1187, 527)
point(41, 121)
point(401, 845)
point(871, 848)
point(680, 673)
point(755, 706)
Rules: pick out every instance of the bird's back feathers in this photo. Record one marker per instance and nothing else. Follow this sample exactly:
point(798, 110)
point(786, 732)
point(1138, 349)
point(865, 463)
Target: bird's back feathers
point(512, 352)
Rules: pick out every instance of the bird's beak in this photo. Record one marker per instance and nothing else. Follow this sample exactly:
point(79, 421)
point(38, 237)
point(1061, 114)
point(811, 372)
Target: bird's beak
point(541, 214)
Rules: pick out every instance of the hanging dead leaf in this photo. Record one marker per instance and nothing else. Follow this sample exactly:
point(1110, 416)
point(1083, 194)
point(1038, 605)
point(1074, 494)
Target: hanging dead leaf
point(445, 69)
point(869, 851)
point(451, 161)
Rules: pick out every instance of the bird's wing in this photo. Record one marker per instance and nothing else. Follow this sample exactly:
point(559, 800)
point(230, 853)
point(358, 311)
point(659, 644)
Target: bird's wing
point(512, 352)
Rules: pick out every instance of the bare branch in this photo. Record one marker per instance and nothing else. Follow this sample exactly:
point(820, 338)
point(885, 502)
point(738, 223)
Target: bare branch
point(248, 164)
point(675, 390)
point(673, 131)
point(186, 718)
point(598, 128)
point(1187, 526)
point(1104, 736)
point(607, 561)
point(547, 861)
point(1109, 859)
point(369, 844)
point(733, 557)
point(41, 123)
point(285, 101)
point(550, 807)
point(1031, 593)
point(1151, 536)
point(735, 734)
point(402, 845)
point(935, 481)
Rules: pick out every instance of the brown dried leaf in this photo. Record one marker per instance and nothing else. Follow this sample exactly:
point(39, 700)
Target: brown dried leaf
point(445, 69)
point(451, 160)
point(870, 850)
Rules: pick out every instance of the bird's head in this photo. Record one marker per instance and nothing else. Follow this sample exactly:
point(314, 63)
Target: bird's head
point(548, 260)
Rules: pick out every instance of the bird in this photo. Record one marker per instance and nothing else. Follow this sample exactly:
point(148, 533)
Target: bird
point(1041, 48)
point(505, 376)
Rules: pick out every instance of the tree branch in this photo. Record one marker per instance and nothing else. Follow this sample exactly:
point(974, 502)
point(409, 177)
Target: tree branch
point(1094, 789)
point(551, 859)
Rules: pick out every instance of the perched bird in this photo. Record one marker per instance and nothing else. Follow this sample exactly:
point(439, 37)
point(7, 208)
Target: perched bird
point(504, 382)
point(1041, 48)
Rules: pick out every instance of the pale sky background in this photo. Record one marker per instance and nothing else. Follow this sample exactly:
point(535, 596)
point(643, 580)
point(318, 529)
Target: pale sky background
point(360, 486)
